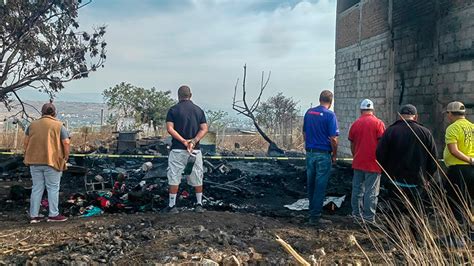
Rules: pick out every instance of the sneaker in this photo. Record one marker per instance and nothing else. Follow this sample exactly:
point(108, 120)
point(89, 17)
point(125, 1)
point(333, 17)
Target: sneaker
point(58, 218)
point(199, 208)
point(365, 223)
point(170, 210)
point(39, 215)
point(357, 219)
point(35, 220)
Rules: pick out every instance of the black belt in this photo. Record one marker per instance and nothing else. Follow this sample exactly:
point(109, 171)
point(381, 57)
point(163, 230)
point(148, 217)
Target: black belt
point(317, 150)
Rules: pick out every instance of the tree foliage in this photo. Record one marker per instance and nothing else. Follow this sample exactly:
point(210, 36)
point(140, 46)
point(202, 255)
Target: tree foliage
point(277, 113)
point(217, 119)
point(42, 47)
point(120, 98)
point(145, 105)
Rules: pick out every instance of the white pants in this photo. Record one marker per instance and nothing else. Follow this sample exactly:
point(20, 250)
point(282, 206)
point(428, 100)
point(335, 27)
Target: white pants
point(177, 161)
point(44, 176)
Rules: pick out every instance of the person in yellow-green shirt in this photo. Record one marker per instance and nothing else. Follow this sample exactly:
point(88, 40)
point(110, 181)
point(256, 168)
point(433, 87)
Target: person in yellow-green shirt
point(459, 158)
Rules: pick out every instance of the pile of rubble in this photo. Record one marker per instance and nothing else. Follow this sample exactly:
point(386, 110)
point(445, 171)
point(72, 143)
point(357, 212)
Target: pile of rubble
point(93, 186)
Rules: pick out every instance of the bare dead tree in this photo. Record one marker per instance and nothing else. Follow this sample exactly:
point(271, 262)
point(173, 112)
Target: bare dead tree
point(243, 108)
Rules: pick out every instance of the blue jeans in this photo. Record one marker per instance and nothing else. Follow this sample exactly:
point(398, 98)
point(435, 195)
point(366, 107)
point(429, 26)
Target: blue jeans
point(365, 192)
point(318, 169)
point(44, 176)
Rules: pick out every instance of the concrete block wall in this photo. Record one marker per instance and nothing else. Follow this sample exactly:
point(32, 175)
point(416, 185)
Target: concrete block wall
point(353, 85)
point(419, 52)
point(455, 71)
point(415, 67)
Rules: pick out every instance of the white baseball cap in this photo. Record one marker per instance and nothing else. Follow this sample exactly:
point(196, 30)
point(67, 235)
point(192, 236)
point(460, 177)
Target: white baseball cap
point(456, 107)
point(366, 104)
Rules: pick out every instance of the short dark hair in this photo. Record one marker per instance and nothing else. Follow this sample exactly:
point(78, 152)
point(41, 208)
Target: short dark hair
point(326, 96)
point(184, 92)
point(48, 109)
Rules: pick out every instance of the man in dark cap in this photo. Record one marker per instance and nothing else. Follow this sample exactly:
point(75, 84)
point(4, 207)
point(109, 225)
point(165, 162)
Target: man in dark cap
point(46, 153)
point(404, 158)
point(186, 123)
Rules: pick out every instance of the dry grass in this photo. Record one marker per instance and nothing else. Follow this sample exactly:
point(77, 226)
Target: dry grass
point(7, 141)
point(255, 143)
point(426, 232)
point(84, 140)
point(81, 140)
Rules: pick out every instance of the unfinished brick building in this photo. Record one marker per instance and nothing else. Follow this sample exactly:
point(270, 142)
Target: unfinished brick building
point(403, 51)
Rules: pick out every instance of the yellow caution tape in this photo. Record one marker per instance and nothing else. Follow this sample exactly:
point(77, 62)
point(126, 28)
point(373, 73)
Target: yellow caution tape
point(164, 157)
point(93, 155)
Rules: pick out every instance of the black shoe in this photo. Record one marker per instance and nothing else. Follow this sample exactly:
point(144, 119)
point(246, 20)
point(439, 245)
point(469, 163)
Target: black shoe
point(199, 208)
point(170, 210)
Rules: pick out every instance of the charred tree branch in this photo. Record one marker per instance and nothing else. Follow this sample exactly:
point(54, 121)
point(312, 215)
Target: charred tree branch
point(249, 111)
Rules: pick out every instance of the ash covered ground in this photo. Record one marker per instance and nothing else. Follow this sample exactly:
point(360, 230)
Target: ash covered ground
point(245, 211)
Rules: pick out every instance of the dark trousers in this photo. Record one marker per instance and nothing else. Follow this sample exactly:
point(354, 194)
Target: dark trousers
point(415, 195)
point(462, 178)
point(399, 199)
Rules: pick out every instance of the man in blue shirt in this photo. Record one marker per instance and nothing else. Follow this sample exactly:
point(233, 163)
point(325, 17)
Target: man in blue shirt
point(320, 131)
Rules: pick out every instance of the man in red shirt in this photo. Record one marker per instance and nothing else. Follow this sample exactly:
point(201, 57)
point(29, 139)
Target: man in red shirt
point(364, 135)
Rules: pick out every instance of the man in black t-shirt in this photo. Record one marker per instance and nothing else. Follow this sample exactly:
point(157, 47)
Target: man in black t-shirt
point(186, 123)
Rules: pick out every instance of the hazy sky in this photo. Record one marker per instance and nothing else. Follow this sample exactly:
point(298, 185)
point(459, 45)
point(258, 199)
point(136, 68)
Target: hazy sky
point(205, 43)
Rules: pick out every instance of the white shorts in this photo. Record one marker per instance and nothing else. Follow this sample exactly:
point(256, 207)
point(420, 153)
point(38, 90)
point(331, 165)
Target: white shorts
point(177, 161)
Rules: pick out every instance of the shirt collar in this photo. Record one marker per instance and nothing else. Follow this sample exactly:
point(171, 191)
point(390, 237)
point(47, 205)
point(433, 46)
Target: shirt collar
point(48, 116)
point(408, 121)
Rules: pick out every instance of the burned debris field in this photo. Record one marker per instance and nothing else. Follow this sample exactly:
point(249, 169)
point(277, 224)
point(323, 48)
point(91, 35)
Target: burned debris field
point(114, 208)
point(130, 137)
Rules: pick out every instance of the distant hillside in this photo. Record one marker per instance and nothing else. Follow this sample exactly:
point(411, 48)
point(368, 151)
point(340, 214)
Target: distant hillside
point(76, 114)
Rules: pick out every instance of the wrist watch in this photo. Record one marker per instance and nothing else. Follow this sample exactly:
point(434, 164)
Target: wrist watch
point(471, 161)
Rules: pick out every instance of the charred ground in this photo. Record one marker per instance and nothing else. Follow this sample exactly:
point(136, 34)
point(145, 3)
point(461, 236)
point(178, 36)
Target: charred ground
point(245, 213)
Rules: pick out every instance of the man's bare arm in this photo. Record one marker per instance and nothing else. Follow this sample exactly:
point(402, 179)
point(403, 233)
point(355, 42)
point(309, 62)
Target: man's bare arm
point(25, 142)
point(453, 149)
point(203, 129)
point(334, 142)
point(175, 134)
point(67, 148)
point(352, 149)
